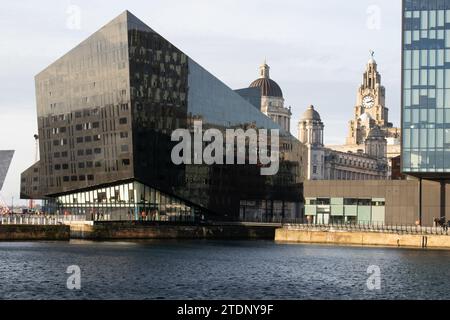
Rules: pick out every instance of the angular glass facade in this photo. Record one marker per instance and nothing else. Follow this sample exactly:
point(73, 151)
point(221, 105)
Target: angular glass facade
point(126, 201)
point(426, 88)
point(106, 112)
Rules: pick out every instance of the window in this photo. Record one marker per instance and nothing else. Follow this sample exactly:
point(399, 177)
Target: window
point(351, 202)
point(88, 152)
point(97, 137)
point(66, 178)
point(98, 164)
point(123, 120)
point(80, 140)
point(65, 166)
point(57, 167)
point(81, 165)
point(322, 201)
point(79, 127)
point(124, 148)
point(96, 125)
point(126, 162)
point(88, 139)
point(365, 202)
point(80, 153)
point(89, 164)
point(56, 155)
point(314, 169)
point(64, 154)
point(97, 150)
point(124, 135)
point(90, 177)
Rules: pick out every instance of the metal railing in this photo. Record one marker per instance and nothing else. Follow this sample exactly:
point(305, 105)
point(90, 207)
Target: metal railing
point(298, 224)
point(371, 227)
point(25, 219)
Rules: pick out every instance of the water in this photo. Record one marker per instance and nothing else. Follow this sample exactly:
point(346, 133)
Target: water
point(218, 270)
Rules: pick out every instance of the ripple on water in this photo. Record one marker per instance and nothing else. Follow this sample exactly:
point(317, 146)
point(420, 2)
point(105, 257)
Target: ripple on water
point(218, 270)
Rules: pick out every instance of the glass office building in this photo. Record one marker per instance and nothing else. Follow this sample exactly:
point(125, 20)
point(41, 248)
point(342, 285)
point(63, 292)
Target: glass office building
point(106, 112)
point(426, 96)
point(426, 88)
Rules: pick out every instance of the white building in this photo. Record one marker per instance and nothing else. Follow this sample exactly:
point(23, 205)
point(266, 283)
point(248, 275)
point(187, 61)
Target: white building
point(328, 164)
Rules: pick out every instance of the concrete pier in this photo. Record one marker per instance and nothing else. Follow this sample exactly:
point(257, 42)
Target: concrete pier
point(362, 238)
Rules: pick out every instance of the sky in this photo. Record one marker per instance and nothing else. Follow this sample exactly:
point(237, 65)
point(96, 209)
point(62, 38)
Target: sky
point(317, 51)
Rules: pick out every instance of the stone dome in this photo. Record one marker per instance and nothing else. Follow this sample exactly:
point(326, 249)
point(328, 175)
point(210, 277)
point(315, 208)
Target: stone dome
point(311, 114)
point(376, 132)
point(269, 88)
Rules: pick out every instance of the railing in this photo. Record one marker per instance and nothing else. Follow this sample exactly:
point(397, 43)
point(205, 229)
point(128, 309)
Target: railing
point(39, 219)
point(298, 224)
point(371, 227)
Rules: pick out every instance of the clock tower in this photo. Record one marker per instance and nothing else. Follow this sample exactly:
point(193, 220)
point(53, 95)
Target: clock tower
point(370, 109)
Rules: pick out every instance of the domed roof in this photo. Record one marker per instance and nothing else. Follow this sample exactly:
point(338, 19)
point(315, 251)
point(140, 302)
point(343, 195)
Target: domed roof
point(376, 133)
point(311, 114)
point(269, 88)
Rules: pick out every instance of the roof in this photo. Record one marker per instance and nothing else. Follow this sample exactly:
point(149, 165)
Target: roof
point(376, 133)
point(269, 88)
point(311, 114)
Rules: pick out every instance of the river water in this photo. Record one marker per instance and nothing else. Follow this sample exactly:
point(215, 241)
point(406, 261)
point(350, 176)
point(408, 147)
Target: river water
point(219, 270)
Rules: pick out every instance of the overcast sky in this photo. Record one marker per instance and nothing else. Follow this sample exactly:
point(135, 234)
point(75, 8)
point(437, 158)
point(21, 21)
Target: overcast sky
point(317, 51)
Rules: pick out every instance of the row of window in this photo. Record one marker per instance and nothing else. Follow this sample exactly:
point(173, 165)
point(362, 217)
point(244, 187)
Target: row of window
point(358, 163)
point(423, 98)
point(424, 19)
point(89, 177)
point(87, 164)
point(426, 138)
point(427, 78)
point(87, 126)
point(81, 165)
point(87, 139)
point(424, 161)
point(347, 202)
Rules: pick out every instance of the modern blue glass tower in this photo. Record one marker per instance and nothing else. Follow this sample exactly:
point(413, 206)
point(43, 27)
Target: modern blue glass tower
point(426, 91)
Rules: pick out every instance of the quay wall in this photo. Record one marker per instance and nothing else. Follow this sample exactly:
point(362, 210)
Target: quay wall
point(362, 238)
point(128, 230)
point(34, 232)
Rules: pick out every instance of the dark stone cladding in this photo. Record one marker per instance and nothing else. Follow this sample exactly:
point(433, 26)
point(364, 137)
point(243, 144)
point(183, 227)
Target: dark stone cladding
point(106, 111)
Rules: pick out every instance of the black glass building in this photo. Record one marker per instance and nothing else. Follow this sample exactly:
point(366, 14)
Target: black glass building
point(426, 92)
point(106, 112)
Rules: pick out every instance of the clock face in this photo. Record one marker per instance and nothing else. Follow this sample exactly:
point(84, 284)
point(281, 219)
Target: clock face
point(368, 102)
